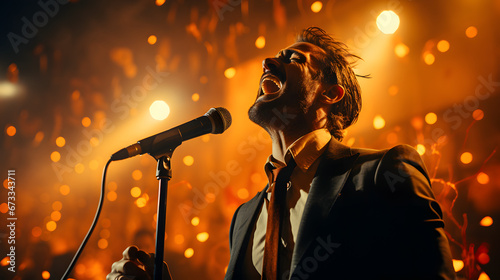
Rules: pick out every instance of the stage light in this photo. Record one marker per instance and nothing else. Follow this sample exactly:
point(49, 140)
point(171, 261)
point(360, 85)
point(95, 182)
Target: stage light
point(421, 149)
point(486, 221)
point(11, 130)
point(86, 121)
point(458, 265)
point(401, 50)
point(159, 110)
point(195, 97)
point(159, 2)
point(152, 39)
point(378, 122)
point(483, 178)
point(429, 58)
point(478, 114)
point(8, 89)
point(51, 226)
point(60, 141)
point(45, 274)
point(195, 221)
point(189, 253)
point(443, 46)
point(466, 158)
point(260, 42)
point(135, 192)
point(202, 236)
point(471, 32)
point(431, 118)
point(64, 189)
point(316, 6)
point(483, 276)
point(230, 72)
point(188, 160)
point(388, 22)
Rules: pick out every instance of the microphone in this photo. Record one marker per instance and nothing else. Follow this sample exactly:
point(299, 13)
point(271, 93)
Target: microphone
point(215, 121)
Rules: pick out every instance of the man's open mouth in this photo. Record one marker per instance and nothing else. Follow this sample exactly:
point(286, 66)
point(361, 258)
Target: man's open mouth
point(270, 84)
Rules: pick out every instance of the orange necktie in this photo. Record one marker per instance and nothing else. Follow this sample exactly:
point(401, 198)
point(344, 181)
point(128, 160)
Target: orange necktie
point(275, 211)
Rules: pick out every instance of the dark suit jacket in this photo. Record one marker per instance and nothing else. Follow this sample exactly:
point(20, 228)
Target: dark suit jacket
point(369, 215)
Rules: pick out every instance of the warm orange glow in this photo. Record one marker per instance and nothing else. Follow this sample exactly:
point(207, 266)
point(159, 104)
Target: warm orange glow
point(195, 221)
point(5, 261)
point(486, 221)
point(421, 149)
point(57, 206)
point(137, 174)
point(466, 158)
point(378, 122)
point(458, 265)
point(141, 202)
point(4, 208)
point(478, 114)
point(230, 72)
point(93, 164)
point(483, 178)
point(105, 233)
point(6, 184)
point(188, 160)
point(202, 236)
point(55, 216)
point(260, 42)
point(51, 226)
point(429, 58)
point(195, 97)
point(242, 193)
point(112, 196)
point(205, 138)
point(75, 95)
point(159, 110)
point(64, 189)
point(11, 130)
point(393, 90)
point(388, 22)
point(443, 46)
point(79, 168)
point(135, 192)
point(152, 39)
point(316, 6)
point(392, 138)
point(401, 50)
point(55, 156)
point(94, 141)
point(80, 269)
point(86, 121)
point(102, 243)
point(36, 231)
point(483, 276)
point(39, 137)
point(431, 118)
point(189, 253)
point(483, 258)
point(60, 141)
point(159, 2)
point(471, 32)
point(203, 79)
point(179, 239)
point(45, 274)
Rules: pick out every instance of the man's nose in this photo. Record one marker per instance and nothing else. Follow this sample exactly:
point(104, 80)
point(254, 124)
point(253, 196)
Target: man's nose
point(269, 64)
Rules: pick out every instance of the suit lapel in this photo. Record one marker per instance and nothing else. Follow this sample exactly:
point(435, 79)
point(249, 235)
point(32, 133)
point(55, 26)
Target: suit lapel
point(242, 229)
point(329, 180)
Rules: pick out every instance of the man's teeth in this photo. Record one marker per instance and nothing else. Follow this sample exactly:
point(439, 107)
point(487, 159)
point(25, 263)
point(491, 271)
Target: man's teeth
point(270, 85)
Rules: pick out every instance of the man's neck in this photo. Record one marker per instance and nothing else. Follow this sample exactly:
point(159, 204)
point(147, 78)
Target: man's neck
point(281, 141)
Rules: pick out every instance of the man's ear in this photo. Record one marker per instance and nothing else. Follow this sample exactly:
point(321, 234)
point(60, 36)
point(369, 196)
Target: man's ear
point(332, 94)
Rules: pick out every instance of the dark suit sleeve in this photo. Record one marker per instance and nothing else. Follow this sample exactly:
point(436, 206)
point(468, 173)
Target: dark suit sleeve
point(416, 247)
point(231, 228)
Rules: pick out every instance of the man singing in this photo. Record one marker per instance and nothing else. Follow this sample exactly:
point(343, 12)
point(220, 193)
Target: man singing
point(329, 211)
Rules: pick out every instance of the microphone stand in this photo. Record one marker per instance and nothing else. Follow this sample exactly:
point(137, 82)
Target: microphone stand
point(163, 174)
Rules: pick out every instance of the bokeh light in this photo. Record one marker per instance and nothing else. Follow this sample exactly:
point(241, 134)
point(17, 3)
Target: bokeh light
point(429, 58)
point(60, 141)
point(202, 236)
point(195, 97)
point(188, 160)
point(195, 221)
point(137, 175)
point(55, 215)
point(466, 158)
point(64, 189)
point(443, 46)
point(179, 239)
point(36, 231)
point(260, 42)
point(420, 149)
point(388, 22)
point(242, 193)
point(483, 178)
point(189, 253)
point(483, 276)
point(431, 118)
point(102, 243)
point(316, 6)
point(471, 32)
point(79, 168)
point(11, 130)
point(112, 196)
point(86, 121)
point(4, 208)
point(458, 265)
point(378, 122)
point(159, 2)
point(159, 110)
point(45, 274)
point(486, 221)
point(478, 114)
point(401, 50)
point(135, 192)
point(230, 72)
point(51, 226)
point(55, 156)
point(152, 40)
point(57, 206)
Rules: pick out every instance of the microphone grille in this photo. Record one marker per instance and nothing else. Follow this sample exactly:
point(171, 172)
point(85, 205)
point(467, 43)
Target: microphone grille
point(221, 119)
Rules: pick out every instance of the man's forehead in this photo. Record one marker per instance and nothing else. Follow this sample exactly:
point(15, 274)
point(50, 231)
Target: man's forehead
point(305, 47)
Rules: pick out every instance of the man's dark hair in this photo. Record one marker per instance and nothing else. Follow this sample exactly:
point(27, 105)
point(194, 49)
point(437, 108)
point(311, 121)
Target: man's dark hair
point(336, 69)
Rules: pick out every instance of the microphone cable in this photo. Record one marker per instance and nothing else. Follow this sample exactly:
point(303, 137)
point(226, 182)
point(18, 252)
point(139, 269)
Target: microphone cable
point(92, 227)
